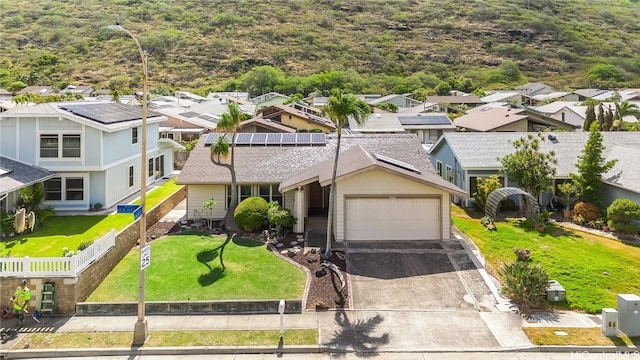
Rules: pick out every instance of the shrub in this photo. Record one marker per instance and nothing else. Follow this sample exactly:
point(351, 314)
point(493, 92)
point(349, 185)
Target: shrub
point(622, 227)
point(623, 210)
point(589, 212)
point(251, 213)
point(6, 223)
point(85, 244)
point(280, 217)
point(524, 282)
point(484, 188)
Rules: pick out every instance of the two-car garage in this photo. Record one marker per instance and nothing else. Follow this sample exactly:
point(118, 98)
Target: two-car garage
point(400, 217)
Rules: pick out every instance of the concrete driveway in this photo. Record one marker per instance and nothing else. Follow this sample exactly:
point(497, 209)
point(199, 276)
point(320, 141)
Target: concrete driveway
point(406, 275)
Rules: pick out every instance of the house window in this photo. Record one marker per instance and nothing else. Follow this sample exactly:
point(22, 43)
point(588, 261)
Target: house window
point(131, 176)
point(271, 193)
point(74, 189)
point(53, 189)
point(49, 146)
point(134, 135)
point(244, 192)
point(439, 167)
point(70, 146)
point(150, 168)
point(449, 176)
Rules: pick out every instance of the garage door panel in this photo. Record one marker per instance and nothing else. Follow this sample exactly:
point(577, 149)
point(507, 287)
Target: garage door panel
point(392, 219)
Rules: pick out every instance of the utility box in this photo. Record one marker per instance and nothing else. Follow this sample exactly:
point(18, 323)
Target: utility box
point(629, 314)
point(609, 322)
point(555, 292)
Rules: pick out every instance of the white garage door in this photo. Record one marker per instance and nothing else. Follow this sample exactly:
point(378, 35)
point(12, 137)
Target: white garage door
point(392, 219)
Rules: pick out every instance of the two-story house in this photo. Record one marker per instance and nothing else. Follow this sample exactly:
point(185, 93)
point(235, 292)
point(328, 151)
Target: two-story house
point(93, 149)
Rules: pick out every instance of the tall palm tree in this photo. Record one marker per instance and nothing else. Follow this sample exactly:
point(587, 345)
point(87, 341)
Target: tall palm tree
point(623, 109)
point(340, 108)
point(222, 151)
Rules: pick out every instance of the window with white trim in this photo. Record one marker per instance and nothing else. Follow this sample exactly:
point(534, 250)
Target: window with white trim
point(134, 135)
point(131, 176)
point(53, 189)
point(64, 189)
point(439, 167)
point(449, 177)
point(150, 168)
point(52, 147)
point(244, 192)
point(271, 193)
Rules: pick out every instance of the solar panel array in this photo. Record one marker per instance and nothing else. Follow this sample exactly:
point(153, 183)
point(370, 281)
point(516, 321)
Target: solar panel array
point(272, 139)
point(108, 113)
point(398, 163)
point(424, 119)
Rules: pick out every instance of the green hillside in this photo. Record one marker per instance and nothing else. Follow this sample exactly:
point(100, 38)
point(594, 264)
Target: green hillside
point(382, 45)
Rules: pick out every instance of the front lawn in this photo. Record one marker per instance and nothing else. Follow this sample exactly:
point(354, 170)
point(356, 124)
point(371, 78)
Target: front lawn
point(592, 269)
point(59, 232)
point(185, 268)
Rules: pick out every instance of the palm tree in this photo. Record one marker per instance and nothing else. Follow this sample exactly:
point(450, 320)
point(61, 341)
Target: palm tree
point(340, 108)
point(623, 109)
point(229, 123)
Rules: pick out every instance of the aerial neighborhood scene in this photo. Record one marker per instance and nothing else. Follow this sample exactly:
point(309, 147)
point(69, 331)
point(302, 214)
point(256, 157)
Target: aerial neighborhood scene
point(320, 179)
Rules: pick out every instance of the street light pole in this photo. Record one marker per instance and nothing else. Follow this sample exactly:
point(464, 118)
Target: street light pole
point(141, 329)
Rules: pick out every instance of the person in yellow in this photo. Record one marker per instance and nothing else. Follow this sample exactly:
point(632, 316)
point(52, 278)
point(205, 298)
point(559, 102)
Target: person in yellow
point(20, 301)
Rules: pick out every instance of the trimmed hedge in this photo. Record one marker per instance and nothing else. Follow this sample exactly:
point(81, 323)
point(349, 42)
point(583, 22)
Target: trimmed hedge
point(251, 213)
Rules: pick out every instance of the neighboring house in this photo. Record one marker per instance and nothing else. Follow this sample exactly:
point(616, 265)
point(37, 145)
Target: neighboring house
point(15, 175)
point(570, 112)
point(463, 157)
point(37, 90)
point(92, 148)
point(170, 101)
point(299, 120)
point(268, 99)
point(123, 99)
point(8, 105)
point(182, 125)
point(401, 101)
point(624, 95)
point(506, 97)
point(5, 95)
point(84, 90)
point(261, 125)
point(535, 88)
point(386, 187)
point(427, 126)
point(584, 94)
point(240, 95)
point(216, 107)
point(422, 108)
point(507, 119)
point(454, 103)
point(378, 123)
point(189, 96)
point(306, 108)
point(554, 96)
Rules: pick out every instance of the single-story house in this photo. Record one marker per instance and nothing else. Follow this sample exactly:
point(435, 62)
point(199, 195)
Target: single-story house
point(261, 125)
point(584, 94)
point(463, 157)
point(454, 102)
point(15, 175)
point(427, 126)
point(535, 88)
point(386, 186)
point(399, 100)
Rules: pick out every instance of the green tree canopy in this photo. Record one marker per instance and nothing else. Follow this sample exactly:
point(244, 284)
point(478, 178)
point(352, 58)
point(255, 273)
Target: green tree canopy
point(532, 169)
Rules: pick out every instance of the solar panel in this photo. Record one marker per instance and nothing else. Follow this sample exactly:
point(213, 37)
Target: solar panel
point(395, 162)
point(243, 138)
point(259, 139)
point(211, 138)
point(424, 119)
point(303, 138)
point(108, 113)
point(289, 139)
point(274, 139)
point(318, 138)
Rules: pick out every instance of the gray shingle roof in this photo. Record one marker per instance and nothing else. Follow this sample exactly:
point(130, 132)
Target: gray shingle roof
point(15, 175)
point(482, 150)
point(275, 164)
point(425, 119)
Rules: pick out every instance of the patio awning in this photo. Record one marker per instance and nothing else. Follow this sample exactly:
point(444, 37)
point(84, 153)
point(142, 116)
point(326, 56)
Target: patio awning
point(15, 175)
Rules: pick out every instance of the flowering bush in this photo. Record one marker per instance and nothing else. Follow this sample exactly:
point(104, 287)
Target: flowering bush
point(586, 211)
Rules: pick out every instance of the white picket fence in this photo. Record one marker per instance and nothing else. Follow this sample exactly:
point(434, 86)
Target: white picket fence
point(59, 266)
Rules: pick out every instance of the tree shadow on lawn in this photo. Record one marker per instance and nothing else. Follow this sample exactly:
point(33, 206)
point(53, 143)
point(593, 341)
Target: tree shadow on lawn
point(206, 256)
point(245, 242)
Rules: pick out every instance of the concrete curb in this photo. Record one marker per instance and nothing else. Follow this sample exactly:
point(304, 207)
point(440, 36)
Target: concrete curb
point(205, 350)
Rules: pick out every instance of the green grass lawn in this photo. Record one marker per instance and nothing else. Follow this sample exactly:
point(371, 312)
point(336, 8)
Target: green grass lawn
point(592, 269)
point(185, 267)
point(59, 232)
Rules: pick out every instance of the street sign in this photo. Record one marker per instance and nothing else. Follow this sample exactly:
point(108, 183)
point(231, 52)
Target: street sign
point(145, 257)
